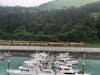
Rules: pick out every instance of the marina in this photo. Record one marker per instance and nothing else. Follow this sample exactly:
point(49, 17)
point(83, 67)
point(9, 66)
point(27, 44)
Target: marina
point(54, 55)
point(91, 66)
point(50, 37)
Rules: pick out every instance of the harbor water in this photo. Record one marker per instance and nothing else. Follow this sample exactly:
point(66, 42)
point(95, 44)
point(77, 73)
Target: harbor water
point(91, 66)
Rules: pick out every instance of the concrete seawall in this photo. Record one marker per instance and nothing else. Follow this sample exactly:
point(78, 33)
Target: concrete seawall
point(49, 48)
point(27, 50)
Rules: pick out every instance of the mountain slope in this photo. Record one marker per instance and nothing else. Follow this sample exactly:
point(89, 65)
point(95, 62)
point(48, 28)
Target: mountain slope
point(60, 4)
point(73, 24)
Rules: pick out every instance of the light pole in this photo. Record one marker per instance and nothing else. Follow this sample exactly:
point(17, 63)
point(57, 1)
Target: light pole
point(8, 64)
point(83, 68)
point(83, 64)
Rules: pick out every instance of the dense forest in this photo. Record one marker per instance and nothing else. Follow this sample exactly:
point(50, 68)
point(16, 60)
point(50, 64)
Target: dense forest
point(34, 24)
point(61, 4)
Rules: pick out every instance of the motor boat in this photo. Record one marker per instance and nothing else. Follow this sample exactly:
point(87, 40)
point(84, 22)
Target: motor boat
point(68, 60)
point(38, 66)
point(2, 57)
point(64, 70)
point(35, 66)
point(31, 69)
point(71, 72)
point(65, 65)
point(7, 54)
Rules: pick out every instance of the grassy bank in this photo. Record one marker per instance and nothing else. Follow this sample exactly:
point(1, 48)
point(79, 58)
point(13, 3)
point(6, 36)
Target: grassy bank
point(95, 44)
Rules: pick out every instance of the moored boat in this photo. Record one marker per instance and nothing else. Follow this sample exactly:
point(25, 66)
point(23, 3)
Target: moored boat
point(39, 65)
point(35, 66)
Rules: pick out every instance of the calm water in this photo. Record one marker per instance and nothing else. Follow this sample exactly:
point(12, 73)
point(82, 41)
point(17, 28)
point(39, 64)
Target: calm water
point(91, 66)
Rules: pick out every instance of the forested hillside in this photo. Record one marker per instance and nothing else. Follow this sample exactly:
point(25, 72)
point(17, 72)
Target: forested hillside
point(71, 24)
point(63, 4)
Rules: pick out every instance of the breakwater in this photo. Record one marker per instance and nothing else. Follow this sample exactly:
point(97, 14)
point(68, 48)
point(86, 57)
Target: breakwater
point(27, 50)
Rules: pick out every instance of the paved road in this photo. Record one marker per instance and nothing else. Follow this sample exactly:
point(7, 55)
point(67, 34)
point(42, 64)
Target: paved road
point(47, 48)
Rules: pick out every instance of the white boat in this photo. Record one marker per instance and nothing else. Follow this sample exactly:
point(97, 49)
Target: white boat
point(64, 70)
point(2, 57)
point(7, 54)
point(71, 72)
point(68, 60)
point(65, 57)
point(43, 54)
point(35, 66)
point(30, 69)
point(65, 66)
point(38, 66)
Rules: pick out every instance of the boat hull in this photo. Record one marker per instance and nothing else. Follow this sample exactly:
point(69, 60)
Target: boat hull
point(17, 72)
